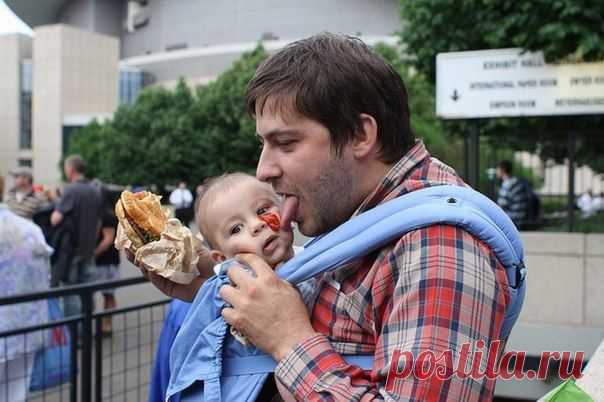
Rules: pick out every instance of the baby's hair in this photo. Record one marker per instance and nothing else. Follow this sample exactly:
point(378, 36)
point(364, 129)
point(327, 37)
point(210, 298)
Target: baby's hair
point(212, 186)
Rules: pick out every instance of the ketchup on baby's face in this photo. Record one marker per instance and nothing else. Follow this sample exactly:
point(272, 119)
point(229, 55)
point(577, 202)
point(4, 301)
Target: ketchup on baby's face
point(272, 220)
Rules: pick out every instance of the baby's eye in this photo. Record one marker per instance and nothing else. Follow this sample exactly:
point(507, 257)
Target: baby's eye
point(262, 210)
point(235, 229)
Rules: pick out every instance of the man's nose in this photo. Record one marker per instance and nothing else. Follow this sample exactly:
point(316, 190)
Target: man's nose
point(268, 170)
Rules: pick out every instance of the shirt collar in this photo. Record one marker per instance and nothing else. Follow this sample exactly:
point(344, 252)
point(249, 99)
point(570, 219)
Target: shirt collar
point(389, 186)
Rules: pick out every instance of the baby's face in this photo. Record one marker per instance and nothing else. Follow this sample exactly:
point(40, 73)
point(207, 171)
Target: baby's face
point(235, 220)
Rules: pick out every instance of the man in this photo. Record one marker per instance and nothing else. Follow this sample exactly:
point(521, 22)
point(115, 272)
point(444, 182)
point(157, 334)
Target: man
point(81, 201)
point(513, 195)
point(182, 199)
point(22, 199)
point(334, 124)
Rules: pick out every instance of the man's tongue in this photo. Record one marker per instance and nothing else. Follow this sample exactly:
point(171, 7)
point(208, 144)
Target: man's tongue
point(288, 211)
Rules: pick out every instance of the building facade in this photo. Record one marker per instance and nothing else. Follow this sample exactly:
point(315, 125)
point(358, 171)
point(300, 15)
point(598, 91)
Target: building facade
point(88, 56)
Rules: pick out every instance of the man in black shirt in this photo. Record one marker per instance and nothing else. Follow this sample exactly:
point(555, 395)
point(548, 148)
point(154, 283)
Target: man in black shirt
point(107, 263)
point(81, 200)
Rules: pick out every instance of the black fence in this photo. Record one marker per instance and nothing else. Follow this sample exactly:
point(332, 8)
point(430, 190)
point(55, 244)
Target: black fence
point(102, 368)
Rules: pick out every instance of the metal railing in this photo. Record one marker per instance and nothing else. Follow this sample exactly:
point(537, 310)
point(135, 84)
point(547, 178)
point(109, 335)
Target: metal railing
point(93, 356)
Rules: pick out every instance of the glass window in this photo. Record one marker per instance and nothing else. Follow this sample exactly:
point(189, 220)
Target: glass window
point(131, 83)
point(26, 92)
point(24, 162)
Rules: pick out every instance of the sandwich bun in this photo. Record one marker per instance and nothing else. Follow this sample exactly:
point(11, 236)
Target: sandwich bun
point(141, 217)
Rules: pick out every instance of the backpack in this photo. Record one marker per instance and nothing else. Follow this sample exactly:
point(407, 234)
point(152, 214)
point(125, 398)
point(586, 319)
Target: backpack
point(211, 365)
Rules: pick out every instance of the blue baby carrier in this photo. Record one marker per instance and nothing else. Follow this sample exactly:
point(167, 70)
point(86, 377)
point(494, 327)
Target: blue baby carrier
point(211, 365)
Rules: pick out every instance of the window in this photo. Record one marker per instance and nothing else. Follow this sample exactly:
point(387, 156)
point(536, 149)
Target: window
point(26, 91)
point(24, 163)
point(131, 83)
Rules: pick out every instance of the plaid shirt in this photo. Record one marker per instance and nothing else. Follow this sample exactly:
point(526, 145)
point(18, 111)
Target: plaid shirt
point(433, 290)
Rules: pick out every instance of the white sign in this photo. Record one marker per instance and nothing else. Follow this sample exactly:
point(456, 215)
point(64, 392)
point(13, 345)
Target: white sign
point(507, 82)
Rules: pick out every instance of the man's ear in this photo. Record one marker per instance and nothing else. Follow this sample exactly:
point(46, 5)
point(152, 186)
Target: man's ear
point(217, 256)
point(365, 140)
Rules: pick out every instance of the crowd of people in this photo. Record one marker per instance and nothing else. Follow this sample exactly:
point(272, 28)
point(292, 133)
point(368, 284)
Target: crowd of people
point(51, 238)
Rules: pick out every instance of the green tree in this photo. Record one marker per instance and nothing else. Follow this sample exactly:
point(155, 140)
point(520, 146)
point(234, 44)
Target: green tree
point(421, 104)
point(172, 135)
point(565, 30)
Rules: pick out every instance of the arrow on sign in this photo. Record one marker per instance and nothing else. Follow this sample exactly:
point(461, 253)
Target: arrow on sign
point(455, 95)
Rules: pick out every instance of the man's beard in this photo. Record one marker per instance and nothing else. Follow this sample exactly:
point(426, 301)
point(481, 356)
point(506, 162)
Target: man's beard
point(329, 198)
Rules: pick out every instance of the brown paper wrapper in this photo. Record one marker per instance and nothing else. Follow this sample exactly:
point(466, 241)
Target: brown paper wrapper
point(174, 256)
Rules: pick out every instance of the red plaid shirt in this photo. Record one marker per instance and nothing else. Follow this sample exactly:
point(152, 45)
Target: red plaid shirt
point(434, 289)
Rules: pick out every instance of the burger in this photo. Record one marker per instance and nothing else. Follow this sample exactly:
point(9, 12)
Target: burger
point(141, 217)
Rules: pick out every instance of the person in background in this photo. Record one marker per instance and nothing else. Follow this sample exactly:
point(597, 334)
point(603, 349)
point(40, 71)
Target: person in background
point(597, 203)
point(107, 260)
point(22, 199)
point(24, 268)
point(585, 203)
point(513, 196)
point(182, 201)
point(82, 201)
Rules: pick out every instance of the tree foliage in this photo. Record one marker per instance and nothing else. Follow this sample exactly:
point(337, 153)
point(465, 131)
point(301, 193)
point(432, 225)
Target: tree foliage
point(424, 122)
point(565, 30)
point(172, 135)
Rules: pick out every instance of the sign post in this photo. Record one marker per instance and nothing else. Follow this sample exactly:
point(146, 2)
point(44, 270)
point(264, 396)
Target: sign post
point(513, 83)
point(509, 83)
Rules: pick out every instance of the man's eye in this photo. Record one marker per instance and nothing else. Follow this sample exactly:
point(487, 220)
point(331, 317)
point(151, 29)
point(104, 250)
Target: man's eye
point(262, 210)
point(235, 229)
point(286, 143)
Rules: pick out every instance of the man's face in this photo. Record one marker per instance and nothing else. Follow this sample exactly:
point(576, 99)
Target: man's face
point(68, 170)
point(22, 182)
point(298, 160)
point(233, 219)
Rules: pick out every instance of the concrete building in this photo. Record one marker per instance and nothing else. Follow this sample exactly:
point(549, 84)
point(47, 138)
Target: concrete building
point(60, 80)
point(87, 56)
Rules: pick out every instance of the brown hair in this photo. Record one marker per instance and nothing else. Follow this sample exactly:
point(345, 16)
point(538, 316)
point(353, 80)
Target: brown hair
point(332, 79)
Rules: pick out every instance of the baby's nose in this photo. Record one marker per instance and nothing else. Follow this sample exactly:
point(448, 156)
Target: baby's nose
point(258, 226)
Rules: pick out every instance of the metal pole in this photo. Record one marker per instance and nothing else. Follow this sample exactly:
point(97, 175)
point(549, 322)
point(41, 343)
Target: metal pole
point(86, 297)
point(572, 142)
point(472, 155)
point(73, 361)
point(98, 361)
point(466, 157)
point(476, 153)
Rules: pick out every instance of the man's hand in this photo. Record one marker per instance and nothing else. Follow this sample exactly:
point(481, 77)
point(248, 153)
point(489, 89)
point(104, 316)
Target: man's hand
point(176, 290)
point(56, 217)
point(268, 310)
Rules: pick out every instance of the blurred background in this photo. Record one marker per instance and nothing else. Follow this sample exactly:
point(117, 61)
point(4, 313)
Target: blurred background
point(150, 93)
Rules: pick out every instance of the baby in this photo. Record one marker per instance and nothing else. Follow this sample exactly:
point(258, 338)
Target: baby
point(237, 213)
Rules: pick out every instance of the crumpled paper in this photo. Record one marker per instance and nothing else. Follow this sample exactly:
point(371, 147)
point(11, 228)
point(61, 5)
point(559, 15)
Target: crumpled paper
point(174, 256)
